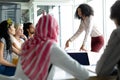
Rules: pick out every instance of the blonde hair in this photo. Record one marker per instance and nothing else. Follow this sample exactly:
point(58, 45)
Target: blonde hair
point(17, 25)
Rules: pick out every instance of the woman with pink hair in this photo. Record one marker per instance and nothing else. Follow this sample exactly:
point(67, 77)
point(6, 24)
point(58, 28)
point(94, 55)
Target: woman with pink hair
point(39, 52)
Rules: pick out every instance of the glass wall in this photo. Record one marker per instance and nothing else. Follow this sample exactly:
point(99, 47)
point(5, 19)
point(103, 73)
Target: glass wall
point(109, 26)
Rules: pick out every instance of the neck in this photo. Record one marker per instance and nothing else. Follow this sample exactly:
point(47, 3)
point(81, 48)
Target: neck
point(30, 35)
point(83, 17)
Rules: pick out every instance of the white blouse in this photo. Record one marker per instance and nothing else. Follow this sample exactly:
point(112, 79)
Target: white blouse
point(89, 27)
point(18, 43)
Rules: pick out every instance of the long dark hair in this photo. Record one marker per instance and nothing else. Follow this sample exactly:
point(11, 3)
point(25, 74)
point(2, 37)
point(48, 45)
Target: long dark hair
point(4, 33)
point(86, 10)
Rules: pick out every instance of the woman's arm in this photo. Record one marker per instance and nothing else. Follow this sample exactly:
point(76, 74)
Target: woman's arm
point(2, 60)
point(78, 32)
point(61, 59)
point(15, 50)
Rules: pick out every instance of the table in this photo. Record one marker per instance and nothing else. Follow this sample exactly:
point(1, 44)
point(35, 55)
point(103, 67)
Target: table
point(93, 57)
point(95, 78)
point(103, 78)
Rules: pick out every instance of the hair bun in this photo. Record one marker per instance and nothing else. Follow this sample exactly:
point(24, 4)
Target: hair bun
point(9, 21)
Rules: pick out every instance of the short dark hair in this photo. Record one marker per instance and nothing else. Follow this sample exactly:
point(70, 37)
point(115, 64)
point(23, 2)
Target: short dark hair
point(115, 11)
point(85, 10)
point(25, 27)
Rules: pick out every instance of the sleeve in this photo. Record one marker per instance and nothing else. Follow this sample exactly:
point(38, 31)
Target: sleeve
point(110, 57)
point(1, 40)
point(89, 25)
point(62, 60)
point(78, 32)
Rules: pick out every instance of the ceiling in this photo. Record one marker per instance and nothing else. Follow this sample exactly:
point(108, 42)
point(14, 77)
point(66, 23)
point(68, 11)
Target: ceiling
point(14, 0)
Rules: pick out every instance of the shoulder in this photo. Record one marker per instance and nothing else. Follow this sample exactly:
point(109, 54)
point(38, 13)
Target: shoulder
point(56, 48)
point(116, 32)
point(90, 19)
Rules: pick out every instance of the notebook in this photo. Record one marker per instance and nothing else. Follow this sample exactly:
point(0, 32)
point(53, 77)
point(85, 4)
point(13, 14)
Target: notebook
point(81, 57)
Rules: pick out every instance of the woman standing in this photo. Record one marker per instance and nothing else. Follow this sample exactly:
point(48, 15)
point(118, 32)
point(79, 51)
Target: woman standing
point(6, 65)
point(17, 40)
point(85, 13)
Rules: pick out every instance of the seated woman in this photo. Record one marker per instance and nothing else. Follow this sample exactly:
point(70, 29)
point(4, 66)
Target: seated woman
point(42, 51)
point(17, 41)
point(6, 65)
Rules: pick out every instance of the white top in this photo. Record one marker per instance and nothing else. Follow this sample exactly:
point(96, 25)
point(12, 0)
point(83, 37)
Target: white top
point(60, 59)
point(89, 27)
point(18, 43)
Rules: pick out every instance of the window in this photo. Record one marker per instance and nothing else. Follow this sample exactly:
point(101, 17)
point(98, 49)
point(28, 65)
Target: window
point(10, 10)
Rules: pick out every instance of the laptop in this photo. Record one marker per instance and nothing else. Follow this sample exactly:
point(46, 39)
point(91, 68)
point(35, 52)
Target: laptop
point(81, 57)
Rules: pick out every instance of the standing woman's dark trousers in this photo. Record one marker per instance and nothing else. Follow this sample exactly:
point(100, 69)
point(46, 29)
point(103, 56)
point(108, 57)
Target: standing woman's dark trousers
point(97, 43)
